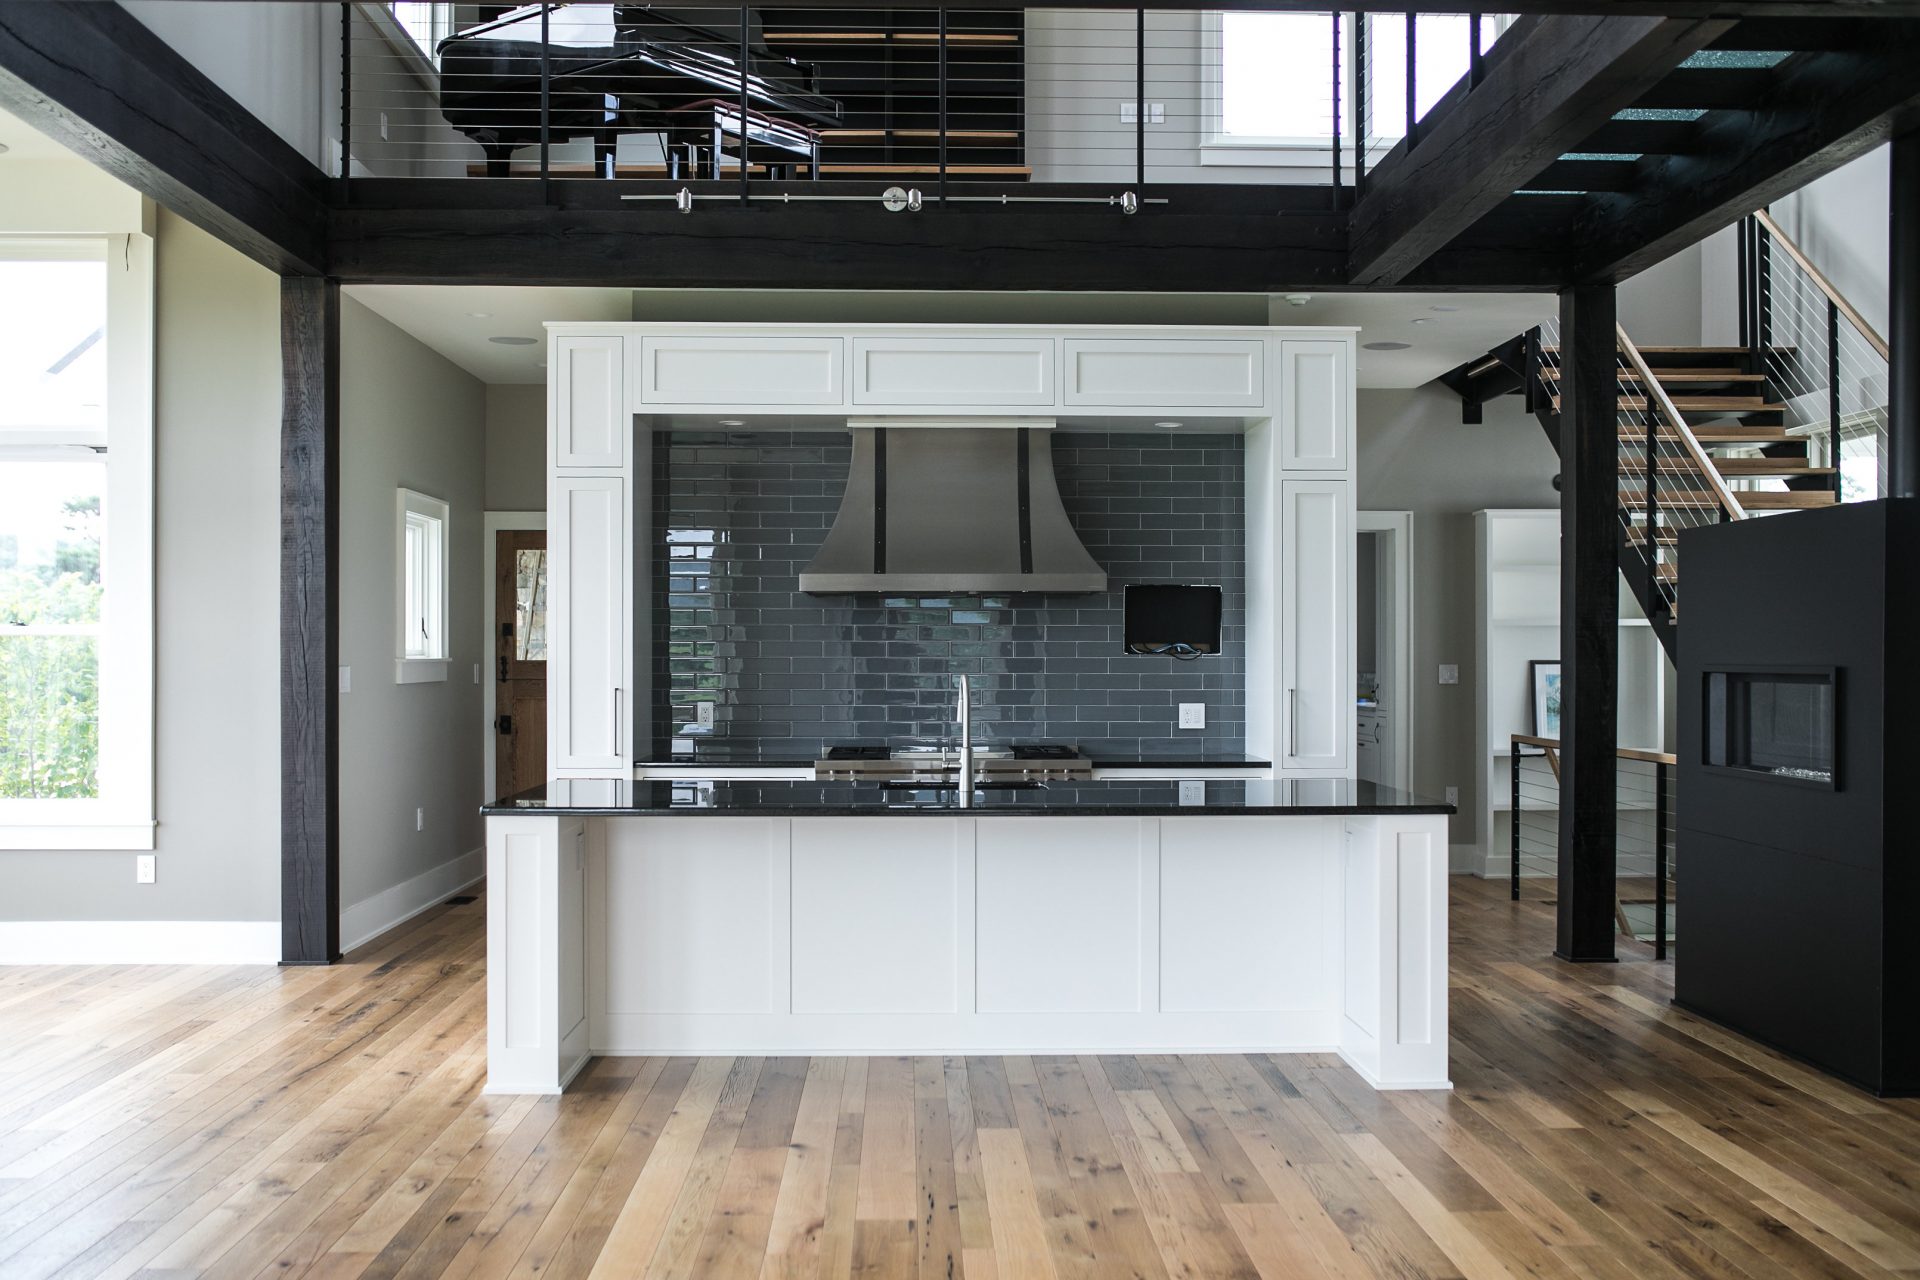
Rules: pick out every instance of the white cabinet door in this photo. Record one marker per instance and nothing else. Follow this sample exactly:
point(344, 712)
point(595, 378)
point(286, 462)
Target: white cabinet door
point(589, 674)
point(742, 371)
point(1316, 624)
point(1164, 373)
point(1316, 398)
point(589, 409)
point(953, 371)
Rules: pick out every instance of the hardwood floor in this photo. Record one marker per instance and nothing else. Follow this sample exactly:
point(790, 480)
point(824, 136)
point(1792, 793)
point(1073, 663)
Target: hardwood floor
point(328, 1123)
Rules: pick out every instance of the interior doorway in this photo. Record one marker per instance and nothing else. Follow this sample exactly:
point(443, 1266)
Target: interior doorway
point(515, 703)
point(1383, 648)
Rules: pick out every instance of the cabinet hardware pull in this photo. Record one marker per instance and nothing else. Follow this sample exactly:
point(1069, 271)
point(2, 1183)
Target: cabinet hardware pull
point(616, 723)
point(1293, 723)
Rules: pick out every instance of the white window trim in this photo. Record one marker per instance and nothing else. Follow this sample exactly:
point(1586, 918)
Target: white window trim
point(123, 815)
point(416, 60)
point(420, 670)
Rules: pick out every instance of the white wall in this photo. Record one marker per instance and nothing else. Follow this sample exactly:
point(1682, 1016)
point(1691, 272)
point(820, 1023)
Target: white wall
point(216, 551)
point(409, 417)
point(277, 58)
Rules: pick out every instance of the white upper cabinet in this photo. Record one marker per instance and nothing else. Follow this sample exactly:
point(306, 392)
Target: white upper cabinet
point(1316, 405)
point(744, 370)
point(953, 371)
point(590, 425)
point(1316, 624)
point(1170, 373)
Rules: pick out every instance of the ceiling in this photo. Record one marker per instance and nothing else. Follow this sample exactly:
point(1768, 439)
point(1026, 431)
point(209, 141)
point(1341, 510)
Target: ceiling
point(24, 143)
point(460, 321)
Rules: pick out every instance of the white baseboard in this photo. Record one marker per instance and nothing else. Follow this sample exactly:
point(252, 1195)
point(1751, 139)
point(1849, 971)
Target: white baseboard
point(140, 942)
point(367, 919)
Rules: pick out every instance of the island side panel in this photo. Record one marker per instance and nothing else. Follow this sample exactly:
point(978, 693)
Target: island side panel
point(537, 1028)
point(1393, 1024)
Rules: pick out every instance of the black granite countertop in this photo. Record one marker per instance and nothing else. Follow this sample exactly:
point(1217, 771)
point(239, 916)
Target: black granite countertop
point(787, 755)
point(1114, 797)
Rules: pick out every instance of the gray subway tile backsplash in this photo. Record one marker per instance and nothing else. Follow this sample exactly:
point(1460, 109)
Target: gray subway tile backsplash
point(738, 514)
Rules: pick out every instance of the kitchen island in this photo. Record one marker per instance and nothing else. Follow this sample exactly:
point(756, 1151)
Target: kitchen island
point(1109, 915)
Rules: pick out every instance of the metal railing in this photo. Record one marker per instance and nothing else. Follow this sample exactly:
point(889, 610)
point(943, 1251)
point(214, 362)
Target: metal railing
point(1644, 845)
point(1826, 362)
point(1002, 105)
point(1666, 481)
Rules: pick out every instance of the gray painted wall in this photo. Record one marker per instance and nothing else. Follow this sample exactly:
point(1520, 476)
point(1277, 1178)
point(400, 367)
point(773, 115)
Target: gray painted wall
point(217, 612)
point(408, 417)
point(1415, 456)
point(516, 419)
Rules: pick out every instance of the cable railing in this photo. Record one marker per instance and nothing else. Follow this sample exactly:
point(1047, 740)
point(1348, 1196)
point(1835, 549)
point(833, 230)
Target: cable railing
point(732, 102)
point(1666, 481)
point(1826, 362)
point(1644, 845)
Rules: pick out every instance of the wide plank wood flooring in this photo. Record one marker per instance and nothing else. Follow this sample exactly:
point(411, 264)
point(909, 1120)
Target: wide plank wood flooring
point(235, 1122)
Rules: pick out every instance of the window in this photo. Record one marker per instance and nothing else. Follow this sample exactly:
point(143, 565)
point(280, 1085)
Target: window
point(425, 25)
point(422, 647)
point(76, 572)
point(1273, 97)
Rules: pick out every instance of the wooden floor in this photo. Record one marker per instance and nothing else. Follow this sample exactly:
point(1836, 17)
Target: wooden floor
point(306, 1122)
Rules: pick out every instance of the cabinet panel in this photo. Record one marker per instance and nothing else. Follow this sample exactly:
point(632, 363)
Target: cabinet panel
point(589, 409)
point(1316, 608)
point(588, 682)
point(949, 371)
point(1058, 904)
point(1166, 373)
point(1315, 405)
point(784, 371)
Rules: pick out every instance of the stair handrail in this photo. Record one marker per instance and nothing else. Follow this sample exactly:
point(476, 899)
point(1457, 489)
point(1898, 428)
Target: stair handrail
point(1826, 286)
point(1657, 395)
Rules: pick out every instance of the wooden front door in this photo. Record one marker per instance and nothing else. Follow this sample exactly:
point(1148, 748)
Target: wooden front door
point(520, 659)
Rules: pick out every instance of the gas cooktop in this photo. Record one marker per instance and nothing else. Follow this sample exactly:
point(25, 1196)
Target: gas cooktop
point(1026, 759)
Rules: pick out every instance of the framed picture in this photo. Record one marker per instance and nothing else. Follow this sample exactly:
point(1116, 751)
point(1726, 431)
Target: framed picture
point(1545, 674)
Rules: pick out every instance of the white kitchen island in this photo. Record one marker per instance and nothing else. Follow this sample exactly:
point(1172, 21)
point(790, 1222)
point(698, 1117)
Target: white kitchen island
point(1297, 915)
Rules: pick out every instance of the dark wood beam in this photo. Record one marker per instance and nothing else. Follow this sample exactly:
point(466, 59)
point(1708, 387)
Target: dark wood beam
point(1629, 8)
point(91, 77)
point(1549, 83)
point(1589, 621)
point(1818, 111)
point(1903, 329)
point(309, 620)
point(1215, 238)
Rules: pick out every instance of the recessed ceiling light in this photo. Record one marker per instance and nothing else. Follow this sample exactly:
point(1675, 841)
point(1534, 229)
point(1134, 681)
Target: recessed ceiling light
point(733, 422)
point(1386, 346)
point(507, 340)
point(1441, 306)
point(481, 315)
point(1167, 426)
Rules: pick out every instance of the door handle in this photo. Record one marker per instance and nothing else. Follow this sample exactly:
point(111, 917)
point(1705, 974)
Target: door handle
point(503, 668)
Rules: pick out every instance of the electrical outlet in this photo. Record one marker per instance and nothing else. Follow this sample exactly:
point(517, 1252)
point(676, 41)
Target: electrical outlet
point(703, 714)
point(1193, 792)
point(346, 679)
point(419, 819)
point(143, 868)
point(1193, 715)
point(1453, 796)
point(1449, 673)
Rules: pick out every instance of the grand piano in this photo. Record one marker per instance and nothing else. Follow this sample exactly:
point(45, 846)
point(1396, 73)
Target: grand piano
point(615, 69)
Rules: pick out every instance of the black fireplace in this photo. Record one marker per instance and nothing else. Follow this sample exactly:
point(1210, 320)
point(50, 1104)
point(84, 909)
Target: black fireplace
point(1799, 690)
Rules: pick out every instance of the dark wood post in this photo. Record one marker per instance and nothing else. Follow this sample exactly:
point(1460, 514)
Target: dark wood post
point(1589, 620)
point(309, 620)
point(1903, 330)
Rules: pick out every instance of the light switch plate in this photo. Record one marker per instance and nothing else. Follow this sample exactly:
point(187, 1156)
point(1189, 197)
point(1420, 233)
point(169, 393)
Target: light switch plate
point(1156, 113)
point(1449, 673)
point(1453, 796)
point(1129, 112)
point(419, 819)
point(1194, 792)
point(1193, 715)
point(703, 714)
point(346, 679)
point(143, 868)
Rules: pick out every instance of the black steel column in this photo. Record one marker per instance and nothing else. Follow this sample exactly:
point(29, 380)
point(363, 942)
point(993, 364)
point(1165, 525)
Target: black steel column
point(309, 620)
point(1903, 333)
point(1589, 621)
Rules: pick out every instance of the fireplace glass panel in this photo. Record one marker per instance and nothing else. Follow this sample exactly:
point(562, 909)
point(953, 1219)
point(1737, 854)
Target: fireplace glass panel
point(1773, 723)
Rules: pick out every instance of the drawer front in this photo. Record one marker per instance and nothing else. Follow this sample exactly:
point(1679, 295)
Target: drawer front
point(1168, 374)
point(742, 371)
point(953, 371)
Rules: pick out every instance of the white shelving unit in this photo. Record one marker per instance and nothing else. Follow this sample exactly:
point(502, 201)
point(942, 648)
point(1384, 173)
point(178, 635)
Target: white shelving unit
point(1517, 621)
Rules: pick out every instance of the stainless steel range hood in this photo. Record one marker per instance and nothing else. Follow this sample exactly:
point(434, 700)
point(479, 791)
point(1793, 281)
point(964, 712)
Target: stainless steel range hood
point(939, 505)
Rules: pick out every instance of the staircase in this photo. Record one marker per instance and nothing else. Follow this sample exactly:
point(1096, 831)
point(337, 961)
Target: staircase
point(1712, 434)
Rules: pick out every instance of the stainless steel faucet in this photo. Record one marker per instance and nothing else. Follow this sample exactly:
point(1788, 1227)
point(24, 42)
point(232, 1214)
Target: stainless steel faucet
point(966, 737)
